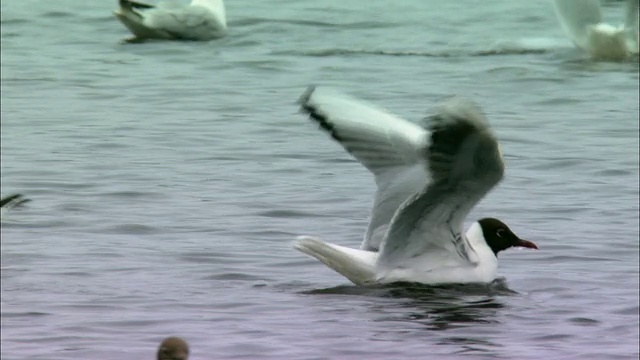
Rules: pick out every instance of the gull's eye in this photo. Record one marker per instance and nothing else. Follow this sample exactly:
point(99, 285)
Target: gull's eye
point(500, 232)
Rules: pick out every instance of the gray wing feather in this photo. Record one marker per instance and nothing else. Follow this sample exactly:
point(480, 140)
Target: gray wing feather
point(394, 188)
point(465, 163)
point(389, 147)
point(376, 138)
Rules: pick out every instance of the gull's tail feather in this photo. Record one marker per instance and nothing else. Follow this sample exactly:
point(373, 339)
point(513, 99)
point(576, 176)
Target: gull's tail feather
point(356, 265)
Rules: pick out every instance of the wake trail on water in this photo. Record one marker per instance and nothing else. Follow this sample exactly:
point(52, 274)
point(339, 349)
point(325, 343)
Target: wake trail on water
point(518, 47)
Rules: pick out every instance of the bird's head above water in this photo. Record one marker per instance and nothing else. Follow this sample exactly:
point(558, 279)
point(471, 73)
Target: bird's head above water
point(173, 348)
point(499, 237)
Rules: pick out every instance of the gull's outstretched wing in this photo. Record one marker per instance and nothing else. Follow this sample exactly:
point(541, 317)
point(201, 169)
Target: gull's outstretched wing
point(390, 147)
point(465, 163)
point(575, 16)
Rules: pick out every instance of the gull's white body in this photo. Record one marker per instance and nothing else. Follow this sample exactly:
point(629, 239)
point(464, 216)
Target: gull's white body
point(582, 21)
point(428, 179)
point(199, 20)
point(359, 266)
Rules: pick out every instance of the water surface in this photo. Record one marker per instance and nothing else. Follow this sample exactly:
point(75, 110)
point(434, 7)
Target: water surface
point(168, 180)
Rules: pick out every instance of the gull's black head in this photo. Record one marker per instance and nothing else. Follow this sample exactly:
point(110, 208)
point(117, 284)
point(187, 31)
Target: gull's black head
point(499, 237)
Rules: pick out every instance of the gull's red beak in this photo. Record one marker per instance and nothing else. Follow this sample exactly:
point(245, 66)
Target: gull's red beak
point(526, 244)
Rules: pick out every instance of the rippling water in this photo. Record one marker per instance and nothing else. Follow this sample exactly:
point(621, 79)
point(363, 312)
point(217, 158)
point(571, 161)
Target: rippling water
point(168, 180)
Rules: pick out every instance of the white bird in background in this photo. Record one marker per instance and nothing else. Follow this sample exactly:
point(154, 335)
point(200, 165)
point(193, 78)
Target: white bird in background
point(199, 20)
point(582, 21)
point(429, 178)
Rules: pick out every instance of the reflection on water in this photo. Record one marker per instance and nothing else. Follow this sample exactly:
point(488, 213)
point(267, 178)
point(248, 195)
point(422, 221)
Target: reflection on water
point(438, 308)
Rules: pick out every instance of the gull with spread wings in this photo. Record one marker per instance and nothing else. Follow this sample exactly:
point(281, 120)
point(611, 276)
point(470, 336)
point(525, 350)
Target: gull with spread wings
point(428, 179)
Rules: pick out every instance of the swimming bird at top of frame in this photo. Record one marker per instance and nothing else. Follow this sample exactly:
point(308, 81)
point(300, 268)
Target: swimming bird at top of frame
point(582, 21)
point(199, 20)
point(429, 176)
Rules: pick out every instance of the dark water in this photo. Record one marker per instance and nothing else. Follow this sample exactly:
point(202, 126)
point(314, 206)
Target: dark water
point(168, 180)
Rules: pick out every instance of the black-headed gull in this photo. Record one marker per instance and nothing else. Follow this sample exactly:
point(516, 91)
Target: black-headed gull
point(428, 179)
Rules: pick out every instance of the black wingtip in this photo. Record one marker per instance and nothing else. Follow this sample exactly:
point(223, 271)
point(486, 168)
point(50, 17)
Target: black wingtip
point(315, 114)
point(304, 98)
point(13, 200)
point(128, 4)
point(125, 4)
